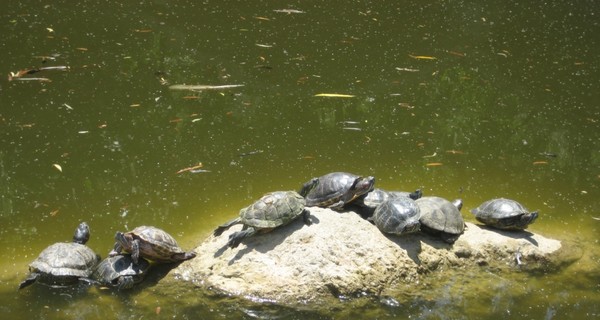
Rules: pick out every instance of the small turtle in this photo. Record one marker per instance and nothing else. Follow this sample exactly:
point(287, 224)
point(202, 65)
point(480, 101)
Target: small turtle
point(62, 264)
point(119, 271)
point(272, 210)
point(440, 217)
point(504, 214)
point(397, 216)
point(336, 189)
point(151, 243)
point(370, 201)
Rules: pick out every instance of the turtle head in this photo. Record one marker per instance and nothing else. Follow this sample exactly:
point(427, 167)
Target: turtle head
point(82, 233)
point(362, 185)
point(458, 203)
point(307, 187)
point(123, 239)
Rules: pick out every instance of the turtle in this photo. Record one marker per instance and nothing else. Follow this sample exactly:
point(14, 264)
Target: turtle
point(151, 243)
point(442, 218)
point(368, 202)
point(272, 210)
point(398, 215)
point(120, 271)
point(62, 264)
point(504, 214)
point(336, 189)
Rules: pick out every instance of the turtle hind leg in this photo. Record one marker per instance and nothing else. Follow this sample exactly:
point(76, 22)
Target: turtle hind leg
point(236, 238)
point(220, 229)
point(31, 278)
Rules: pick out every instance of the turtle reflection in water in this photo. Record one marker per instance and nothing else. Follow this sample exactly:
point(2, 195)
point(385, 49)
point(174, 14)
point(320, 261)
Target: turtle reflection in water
point(63, 264)
point(120, 271)
point(272, 210)
point(151, 243)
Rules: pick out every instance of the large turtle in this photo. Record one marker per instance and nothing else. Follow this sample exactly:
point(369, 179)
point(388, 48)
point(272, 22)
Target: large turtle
point(336, 189)
point(397, 216)
point(442, 218)
point(272, 210)
point(151, 243)
point(369, 201)
point(504, 214)
point(62, 264)
point(120, 271)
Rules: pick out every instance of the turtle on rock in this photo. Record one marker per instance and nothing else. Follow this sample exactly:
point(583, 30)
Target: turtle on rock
point(272, 210)
point(120, 272)
point(441, 218)
point(397, 216)
point(504, 214)
point(151, 243)
point(336, 189)
point(63, 264)
point(368, 202)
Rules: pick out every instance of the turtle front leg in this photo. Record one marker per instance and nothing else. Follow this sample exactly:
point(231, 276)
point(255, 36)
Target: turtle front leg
point(306, 217)
point(135, 251)
point(116, 250)
point(338, 206)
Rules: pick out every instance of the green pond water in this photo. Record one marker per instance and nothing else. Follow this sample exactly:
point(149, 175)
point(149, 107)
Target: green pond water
point(475, 100)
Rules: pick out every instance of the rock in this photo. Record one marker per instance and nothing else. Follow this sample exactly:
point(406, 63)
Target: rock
point(343, 255)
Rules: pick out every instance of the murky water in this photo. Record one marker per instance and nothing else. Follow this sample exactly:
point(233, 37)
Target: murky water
point(460, 99)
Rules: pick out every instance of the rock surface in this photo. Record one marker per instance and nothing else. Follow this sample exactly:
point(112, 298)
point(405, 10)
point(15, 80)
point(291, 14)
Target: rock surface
point(342, 254)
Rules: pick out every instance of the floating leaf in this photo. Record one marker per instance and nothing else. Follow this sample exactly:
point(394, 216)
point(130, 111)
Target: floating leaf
point(422, 57)
point(537, 163)
point(433, 164)
point(58, 167)
point(334, 95)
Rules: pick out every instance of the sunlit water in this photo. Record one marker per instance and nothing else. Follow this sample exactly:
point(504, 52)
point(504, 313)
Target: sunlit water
point(462, 100)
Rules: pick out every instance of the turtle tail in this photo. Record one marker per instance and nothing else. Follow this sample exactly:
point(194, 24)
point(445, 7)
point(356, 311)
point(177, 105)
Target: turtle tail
point(220, 229)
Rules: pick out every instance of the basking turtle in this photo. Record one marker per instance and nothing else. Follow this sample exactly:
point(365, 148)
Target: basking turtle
point(151, 243)
point(119, 271)
point(440, 217)
point(504, 214)
point(62, 264)
point(272, 210)
point(336, 189)
point(397, 216)
point(371, 200)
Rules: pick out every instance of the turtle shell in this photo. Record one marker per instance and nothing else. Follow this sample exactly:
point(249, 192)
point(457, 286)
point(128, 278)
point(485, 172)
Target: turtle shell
point(336, 189)
point(157, 245)
point(64, 263)
point(397, 216)
point(441, 217)
point(120, 271)
point(274, 209)
point(504, 214)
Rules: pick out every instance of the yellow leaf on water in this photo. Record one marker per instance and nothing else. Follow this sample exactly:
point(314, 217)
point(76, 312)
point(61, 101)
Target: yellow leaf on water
point(422, 57)
point(58, 167)
point(334, 95)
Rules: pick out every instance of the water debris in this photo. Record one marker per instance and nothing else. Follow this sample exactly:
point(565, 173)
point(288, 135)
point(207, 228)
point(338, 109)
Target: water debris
point(548, 154)
point(19, 75)
point(422, 57)
point(431, 155)
point(434, 164)
point(288, 11)
point(596, 218)
point(407, 69)
point(196, 87)
point(264, 45)
point(190, 169)
point(352, 128)
point(67, 106)
point(541, 162)
point(456, 53)
point(518, 256)
point(250, 153)
point(58, 167)
point(262, 18)
point(454, 152)
point(334, 95)
point(349, 122)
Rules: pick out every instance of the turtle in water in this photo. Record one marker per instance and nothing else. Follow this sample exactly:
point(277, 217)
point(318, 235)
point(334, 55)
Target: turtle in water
point(62, 264)
point(504, 214)
point(368, 202)
point(397, 216)
point(442, 218)
point(120, 271)
point(336, 189)
point(272, 210)
point(151, 243)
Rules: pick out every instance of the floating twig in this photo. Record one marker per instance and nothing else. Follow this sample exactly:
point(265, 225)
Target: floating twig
point(203, 87)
